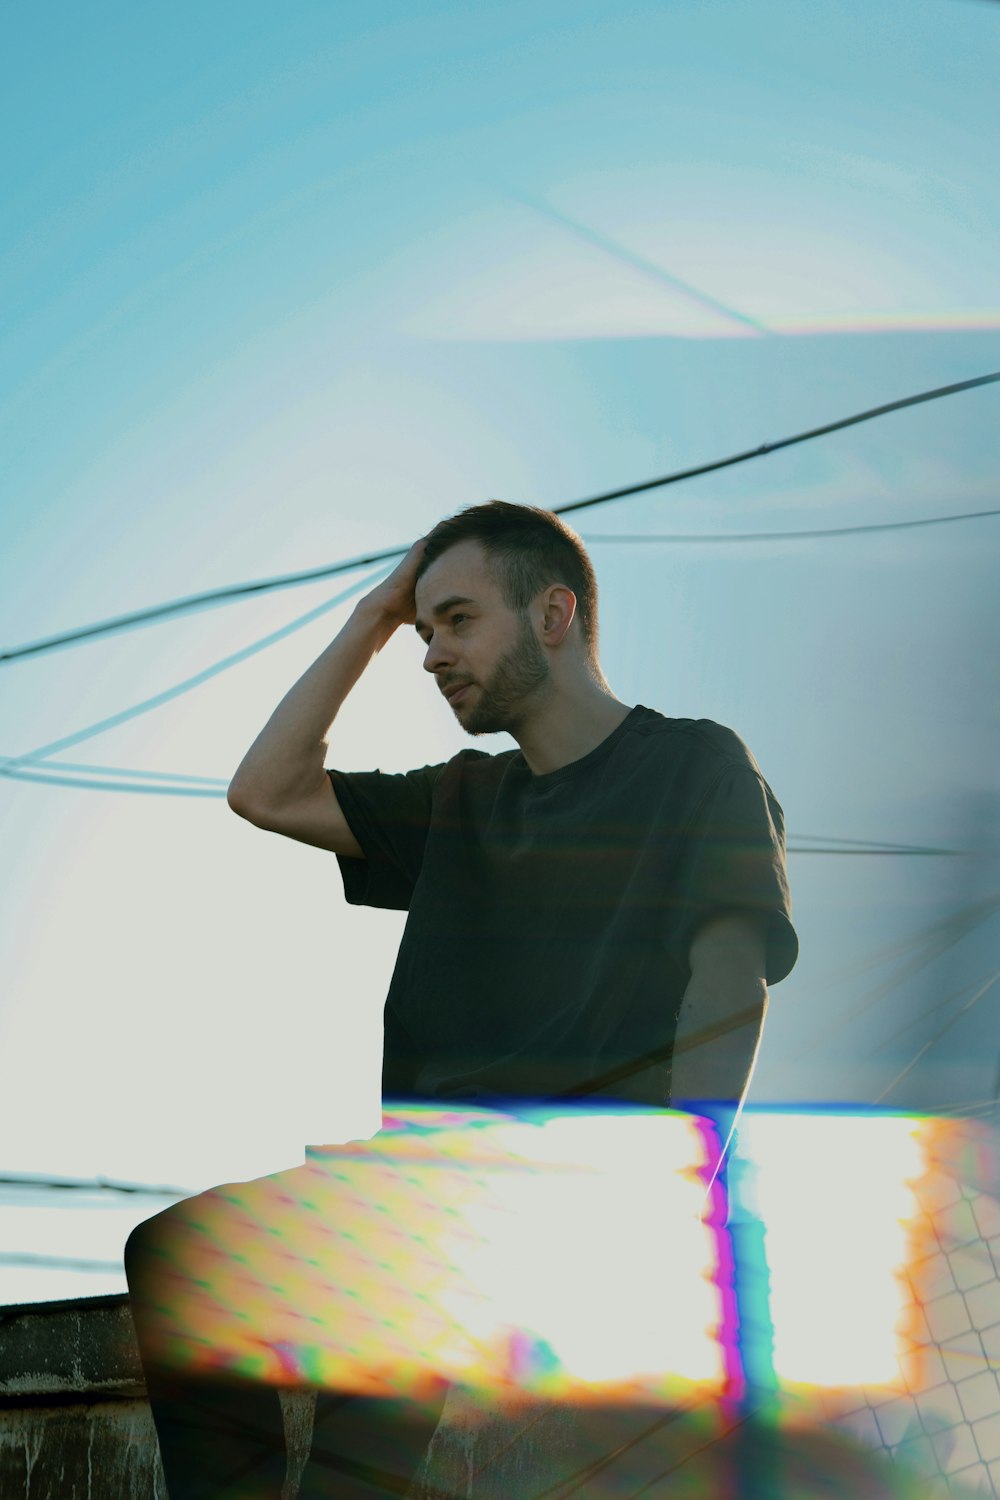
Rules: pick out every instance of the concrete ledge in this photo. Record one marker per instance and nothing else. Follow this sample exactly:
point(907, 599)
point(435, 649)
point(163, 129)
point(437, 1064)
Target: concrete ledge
point(85, 1347)
point(74, 1420)
point(75, 1425)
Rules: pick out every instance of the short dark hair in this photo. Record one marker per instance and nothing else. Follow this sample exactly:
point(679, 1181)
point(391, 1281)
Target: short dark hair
point(527, 548)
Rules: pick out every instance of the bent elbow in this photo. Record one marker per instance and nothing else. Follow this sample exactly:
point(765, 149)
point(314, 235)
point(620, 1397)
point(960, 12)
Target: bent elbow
point(240, 803)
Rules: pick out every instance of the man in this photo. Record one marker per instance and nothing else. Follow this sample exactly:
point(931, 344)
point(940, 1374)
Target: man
point(596, 913)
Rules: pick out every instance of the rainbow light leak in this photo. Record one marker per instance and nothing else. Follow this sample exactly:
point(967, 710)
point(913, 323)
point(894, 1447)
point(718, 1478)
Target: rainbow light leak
point(846, 1271)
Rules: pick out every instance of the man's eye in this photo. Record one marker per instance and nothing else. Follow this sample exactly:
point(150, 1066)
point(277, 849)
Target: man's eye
point(458, 619)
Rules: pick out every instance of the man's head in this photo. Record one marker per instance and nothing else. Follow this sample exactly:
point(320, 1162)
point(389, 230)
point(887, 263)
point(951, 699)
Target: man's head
point(526, 550)
point(497, 585)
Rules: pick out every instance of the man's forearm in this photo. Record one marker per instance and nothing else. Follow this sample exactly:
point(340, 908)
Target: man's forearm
point(722, 1013)
point(285, 762)
point(286, 759)
point(718, 1033)
point(720, 1022)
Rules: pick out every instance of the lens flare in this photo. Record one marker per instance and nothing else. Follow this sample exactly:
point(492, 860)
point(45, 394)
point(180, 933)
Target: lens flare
point(840, 1274)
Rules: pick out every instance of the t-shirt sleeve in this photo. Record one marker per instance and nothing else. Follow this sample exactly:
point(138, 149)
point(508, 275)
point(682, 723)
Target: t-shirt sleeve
point(389, 816)
point(736, 862)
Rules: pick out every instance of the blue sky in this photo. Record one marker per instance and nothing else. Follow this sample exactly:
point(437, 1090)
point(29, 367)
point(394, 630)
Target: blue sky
point(284, 284)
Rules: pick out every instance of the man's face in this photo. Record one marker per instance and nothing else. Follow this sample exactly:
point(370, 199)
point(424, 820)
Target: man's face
point(484, 655)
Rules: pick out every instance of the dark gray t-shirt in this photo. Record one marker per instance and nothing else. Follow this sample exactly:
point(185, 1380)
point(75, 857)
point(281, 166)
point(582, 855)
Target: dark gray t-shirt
point(550, 917)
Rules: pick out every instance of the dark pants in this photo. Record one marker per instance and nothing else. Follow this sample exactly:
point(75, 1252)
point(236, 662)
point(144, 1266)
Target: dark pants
point(219, 1425)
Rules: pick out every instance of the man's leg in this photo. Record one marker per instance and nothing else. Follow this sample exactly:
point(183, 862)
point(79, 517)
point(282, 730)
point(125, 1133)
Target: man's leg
point(368, 1448)
point(219, 1440)
point(287, 1280)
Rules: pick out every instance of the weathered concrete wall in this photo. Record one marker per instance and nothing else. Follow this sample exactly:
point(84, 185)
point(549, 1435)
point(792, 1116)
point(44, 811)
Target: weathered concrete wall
point(74, 1422)
point(75, 1425)
point(82, 1347)
point(80, 1451)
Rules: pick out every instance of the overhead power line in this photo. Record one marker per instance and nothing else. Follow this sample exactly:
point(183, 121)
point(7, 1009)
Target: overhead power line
point(822, 849)
point(126, 772)
point(969, 1005)
point(115, 778)
point(61, 1263)
point(218, 791)
point(91, 1185)
point(789, 536)
point(182, 779)
point(26, 766)
point(290, 580)
point(656, 273)
point(909, 958)
point(822, 843)
point(14, 772)
point(193, 602)
point(885, 846)
point(36, 765)
point(765, 448)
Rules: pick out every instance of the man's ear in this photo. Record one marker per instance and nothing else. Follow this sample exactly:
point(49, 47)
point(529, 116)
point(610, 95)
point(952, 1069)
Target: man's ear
point(558, 612)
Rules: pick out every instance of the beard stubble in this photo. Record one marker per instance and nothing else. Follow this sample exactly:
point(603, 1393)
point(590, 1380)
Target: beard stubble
point(504, 698)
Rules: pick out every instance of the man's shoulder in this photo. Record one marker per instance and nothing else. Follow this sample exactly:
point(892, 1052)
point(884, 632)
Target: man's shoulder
point(701, 740)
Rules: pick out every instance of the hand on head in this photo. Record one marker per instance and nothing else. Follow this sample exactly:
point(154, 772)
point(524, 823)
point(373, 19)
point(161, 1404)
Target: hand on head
point(395, 594)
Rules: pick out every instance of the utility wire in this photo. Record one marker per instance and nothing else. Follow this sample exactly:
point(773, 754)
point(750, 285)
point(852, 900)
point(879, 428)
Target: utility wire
point(717, 1439)
point(890, 846)
point(135, 774)
point(24, 767)
point(290, 580)
point(60, 1263)
point(917, 954)
point(822, 849)
point(590, 1470)
point(648, 268)
point(919, 1018)
point(193, 602)
point(14, 765)
point(765, 448)
point(91, 1185)
point(91, 784)
point(15, 772)
point(969, 1004)
point(789, 536)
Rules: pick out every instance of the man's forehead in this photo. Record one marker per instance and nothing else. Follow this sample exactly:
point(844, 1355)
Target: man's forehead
point(461, 571)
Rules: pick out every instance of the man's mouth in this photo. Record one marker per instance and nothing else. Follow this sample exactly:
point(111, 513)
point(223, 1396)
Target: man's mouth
point(456, 691)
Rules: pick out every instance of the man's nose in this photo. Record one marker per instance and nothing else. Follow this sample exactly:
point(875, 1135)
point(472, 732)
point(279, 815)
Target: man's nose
point(437, 654)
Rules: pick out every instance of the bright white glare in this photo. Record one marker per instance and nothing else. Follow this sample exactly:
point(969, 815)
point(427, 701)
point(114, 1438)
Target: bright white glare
point(833, 1193)
point(437, 1250)
point(595, 1249)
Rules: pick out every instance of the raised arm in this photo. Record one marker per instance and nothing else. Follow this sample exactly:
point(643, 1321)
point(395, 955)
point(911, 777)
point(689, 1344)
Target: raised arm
point(281, 783)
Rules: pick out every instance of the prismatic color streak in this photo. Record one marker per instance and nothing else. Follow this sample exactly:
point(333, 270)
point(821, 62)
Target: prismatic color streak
point(562, 1253)
point(882, 1245)
point(851, 1286)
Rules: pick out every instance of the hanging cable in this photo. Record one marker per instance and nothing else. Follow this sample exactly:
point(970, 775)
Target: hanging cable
point(60, 1263)
point(12, 765)
point(291, 580)
point(674, 537)
point(135, 774)
point(91, 1185)
point(953, 1021)
point(15, 772)
point(194, 602)
point(765, 448)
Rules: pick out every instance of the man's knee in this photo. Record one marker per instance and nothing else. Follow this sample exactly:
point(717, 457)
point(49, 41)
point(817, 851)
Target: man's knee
point(212, 1215)
point(148, 1241)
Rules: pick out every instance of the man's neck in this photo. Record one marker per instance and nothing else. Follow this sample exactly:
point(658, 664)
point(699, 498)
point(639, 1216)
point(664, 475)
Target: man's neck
point(568, 725)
